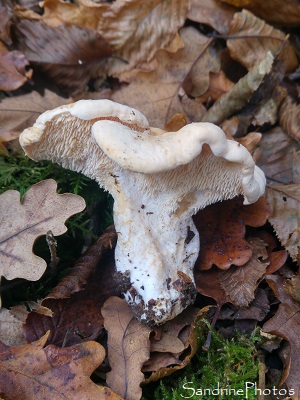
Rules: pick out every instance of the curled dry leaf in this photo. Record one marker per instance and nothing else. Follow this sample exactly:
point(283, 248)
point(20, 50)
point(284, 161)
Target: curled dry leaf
point(160, 102)
point(285, 324)
point(222, 231)
point(34, 372)
point(128, 348)
point(289, 117)
point(14, 69)
point(240, 283)
point(218, 85)
point(257, 38)
point(40, 210)
point(77, 299)
point(277, 11)
point(184, 327)
point(284, 203)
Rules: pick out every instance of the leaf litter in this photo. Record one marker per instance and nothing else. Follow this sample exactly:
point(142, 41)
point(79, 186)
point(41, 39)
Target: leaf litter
point(229, 66)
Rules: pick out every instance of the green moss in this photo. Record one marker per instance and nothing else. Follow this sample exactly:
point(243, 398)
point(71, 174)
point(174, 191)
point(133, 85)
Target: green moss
point(227, 364)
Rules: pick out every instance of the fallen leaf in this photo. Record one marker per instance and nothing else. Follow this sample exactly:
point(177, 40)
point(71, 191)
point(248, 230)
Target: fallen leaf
point(20, 112)
point(34, 372)
point(289, 117)
point(11, 329)
point(197, 81)
point(128, 348)
point(276, 11)
point(77, 299)
point(292, 287)
point(161, 102)
point(277, 150)
point(137, 30)
point(240, 283)
point(284, 203)
point(240, 94)
point(67, 54)
point(212, 13)
point(218, 85)
point(222, 230)
point(5, 14)
point(257, 39)
point(208, 284)
point(285, 324)
point(14, 69)
point(40, 210)
point(186, 327)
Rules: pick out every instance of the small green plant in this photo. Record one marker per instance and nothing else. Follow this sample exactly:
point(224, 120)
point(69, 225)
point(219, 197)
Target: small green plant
point(228, 364)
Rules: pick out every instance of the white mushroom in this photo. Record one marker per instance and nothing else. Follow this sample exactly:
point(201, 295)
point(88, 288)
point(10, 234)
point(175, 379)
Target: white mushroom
point(158, 181)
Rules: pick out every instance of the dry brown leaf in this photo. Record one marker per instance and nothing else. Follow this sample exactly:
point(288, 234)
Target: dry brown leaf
point(77, 299)
point(128, 348)
point(198, 80)
point(222, 230)
point(134, 30)
point(34, 372)
point(240, 94)
point(11, 329)
point(218, 85)
point(168, 343)
point(20, 112)
point(240, 283)
point(285, 324)
point(186, 327)
point(280, 12)
point(277, 150)
point(67, 54)
point(284, 203)
point(208, 284)
point(40, 210)
point(159, 102)
point(257, 38)
point(14, 69)
point(289, 117)
point(292, 287)
point(213, 13)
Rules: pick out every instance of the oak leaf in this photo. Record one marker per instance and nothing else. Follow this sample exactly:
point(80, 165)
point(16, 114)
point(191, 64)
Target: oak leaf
point(36, 372)
point(40, 210)
point(160, 102)
point(128, 348)
point(256, 39)
point(284, 203)
point(11, 329)
point(285, 324)
point(222, 230)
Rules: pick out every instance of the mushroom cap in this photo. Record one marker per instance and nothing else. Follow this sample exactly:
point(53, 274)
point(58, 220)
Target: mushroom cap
point(158, 180)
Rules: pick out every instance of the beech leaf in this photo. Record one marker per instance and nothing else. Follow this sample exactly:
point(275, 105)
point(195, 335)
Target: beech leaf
point(40, 210)
point(257, 38)
point(128, 348)
point(34, 372)
point(284, 203)
point(240, 283)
